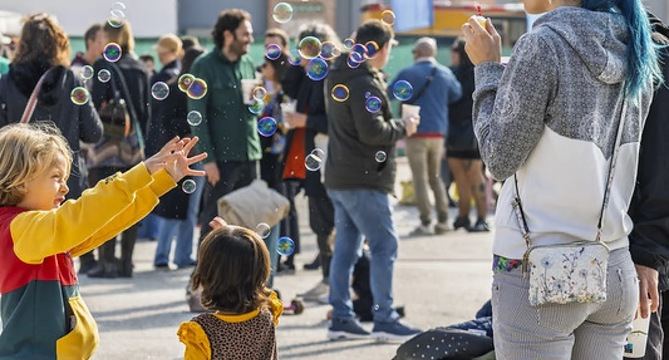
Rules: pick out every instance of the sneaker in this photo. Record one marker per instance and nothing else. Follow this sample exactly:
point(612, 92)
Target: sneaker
point(162, 266)
point(187, 265)
point(316, 292)
point(285, 269)
point(421, 230)
point(314, 265)
point(441, 228)
point(393, 331)
point(324, 299)
point(480, 226)
point(346, 329)
point(462, 222)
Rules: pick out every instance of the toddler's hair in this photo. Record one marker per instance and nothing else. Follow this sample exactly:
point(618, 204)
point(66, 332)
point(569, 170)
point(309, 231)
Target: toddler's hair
point(26, 150)
point(232, 269)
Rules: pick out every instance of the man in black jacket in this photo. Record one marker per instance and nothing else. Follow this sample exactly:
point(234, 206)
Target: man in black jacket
point(359, 176)
point(649, 209)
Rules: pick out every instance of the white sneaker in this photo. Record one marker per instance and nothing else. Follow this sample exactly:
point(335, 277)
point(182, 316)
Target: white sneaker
point(315, 293)
point(421, 230)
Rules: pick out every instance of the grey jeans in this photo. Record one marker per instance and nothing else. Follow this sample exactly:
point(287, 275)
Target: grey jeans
point(563, 332)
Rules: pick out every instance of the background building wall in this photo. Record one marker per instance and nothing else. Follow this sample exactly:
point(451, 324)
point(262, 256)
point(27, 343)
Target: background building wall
point(149, 18)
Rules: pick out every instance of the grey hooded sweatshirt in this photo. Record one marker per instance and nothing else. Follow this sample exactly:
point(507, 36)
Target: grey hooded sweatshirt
point(550, 116)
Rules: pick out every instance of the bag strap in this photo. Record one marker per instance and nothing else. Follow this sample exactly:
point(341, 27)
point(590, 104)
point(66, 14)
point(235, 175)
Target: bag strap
point(424, 88)
point(128, 102)
point(32, 100)
point(517, 204)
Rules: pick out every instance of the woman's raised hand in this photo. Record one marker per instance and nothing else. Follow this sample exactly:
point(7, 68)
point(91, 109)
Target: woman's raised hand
point(483, 43)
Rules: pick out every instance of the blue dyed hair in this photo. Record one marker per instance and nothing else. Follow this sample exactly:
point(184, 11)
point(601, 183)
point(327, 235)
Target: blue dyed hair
point(642, 52)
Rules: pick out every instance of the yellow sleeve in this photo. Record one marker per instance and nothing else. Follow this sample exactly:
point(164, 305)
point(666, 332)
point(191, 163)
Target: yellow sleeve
point(275, 307)
point(39, 234)
point(196, 341)
point(145, 201)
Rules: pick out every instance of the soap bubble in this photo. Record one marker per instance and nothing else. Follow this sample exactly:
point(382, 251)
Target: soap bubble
point(257, 107)
point(267, 126)
point(294, 58)
point(340, 93)
point(112, 52)
point(317, 69)
point(373, 104)
point(79, 95)
point(160, 91)
point(402, 90)
point(367, 94)
point(312, 162)
point(104, 76)
point(116, 18)
point(285, 246)
point(194, 118)
point(185, 82)
point(318, 152)
point(348, 43)
point(372, 49)
point(189, 186)
point(354, 60)
point(263, 230)
point(380, 156)
point(388, 17)
point(282, 12)
point(309, 47)
point(329, 50)
point(118, 6)
point(273, 51)
point(87, 72)
point(259, 93)
point(361, 51)
point(197, 90)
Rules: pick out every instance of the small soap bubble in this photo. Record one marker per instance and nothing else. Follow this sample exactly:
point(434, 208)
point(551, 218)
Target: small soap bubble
point(313, 162)
point(354, 60)
point(348, 43)
point(87, 72)
point(373, 104)
point(318, 152)
point(376, 307)
point(317, 69)
point(285, 246)
point(259, 93)
point(340, 93)
point(197, 90)
point(273, 51)
point(112, 52)
point(263, 230)
point(257, 107)
point(189, 186)
point(79, 95)
point(185, 82)
point(388, 17)
point(194, 118)
point(309, 47)
point(402, 90)
point(361, 51)
point(267, 126)
point(294, 58)
point(380, 156)
point(118, 6)
point(116, 18)
point(329, 50)
point(160, 91)
point(282, 12)
point(104, 76)
point(372, 49)
point(367, 94)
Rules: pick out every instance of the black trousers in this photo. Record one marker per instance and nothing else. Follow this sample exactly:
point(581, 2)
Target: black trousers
point(233, 175)
point(657, 347)
point(321, 221)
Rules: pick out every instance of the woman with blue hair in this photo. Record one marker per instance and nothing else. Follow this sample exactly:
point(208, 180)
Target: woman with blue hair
point(561, 123)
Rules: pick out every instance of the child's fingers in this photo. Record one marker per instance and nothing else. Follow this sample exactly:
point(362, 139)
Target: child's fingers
point(170, 144)
point(196, 158)
point(191, 143)
point(192, 172)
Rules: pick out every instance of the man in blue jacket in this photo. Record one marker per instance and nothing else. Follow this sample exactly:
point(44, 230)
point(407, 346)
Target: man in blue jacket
point(435, 87)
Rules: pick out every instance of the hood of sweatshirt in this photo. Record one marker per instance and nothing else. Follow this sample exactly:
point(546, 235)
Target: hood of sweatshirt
point(598, 38)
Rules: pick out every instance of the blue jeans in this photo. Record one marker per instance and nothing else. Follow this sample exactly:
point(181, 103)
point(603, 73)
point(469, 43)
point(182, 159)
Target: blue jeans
point(363, 213)
point(271, 243)
point(149, 227)
point(182, 229)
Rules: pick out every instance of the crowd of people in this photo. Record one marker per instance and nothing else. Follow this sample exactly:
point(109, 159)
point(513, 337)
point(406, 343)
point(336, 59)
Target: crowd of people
point(560, 124)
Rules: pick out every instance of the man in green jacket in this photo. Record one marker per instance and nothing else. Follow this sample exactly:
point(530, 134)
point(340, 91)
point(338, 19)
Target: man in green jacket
point(228, 131)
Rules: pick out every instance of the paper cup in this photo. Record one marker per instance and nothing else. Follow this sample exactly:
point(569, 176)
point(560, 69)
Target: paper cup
point(288, 107)
point(635, 346)
point(247, 90)
point(410, 110)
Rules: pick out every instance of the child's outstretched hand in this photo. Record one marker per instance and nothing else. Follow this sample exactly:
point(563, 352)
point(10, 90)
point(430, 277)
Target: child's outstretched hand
point(173, 157)
point(217, 223)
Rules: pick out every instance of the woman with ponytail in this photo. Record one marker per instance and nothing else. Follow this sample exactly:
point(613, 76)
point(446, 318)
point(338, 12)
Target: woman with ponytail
point(548, 124)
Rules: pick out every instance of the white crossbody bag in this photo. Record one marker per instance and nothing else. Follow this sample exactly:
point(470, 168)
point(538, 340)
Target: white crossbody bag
point(575, 272)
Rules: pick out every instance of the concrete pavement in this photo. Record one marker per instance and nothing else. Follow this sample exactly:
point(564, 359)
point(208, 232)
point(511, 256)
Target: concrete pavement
point(440, 279)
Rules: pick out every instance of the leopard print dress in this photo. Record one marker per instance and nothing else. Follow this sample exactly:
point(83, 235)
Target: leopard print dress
point(254, 339)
